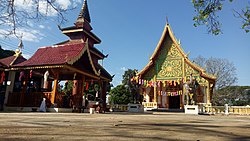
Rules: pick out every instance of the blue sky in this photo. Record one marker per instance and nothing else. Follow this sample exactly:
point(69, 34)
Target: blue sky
point(131, 29)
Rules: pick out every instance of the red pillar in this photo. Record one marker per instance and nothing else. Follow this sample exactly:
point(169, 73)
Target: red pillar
point(23, 90)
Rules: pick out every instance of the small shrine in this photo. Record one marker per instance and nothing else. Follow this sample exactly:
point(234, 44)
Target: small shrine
point(74, 60)
point(170, 80)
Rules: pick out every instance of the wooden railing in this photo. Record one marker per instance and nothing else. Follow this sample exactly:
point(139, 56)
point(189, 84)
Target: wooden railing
point(29, 100)
point(118, 108)
point(209, 109)
point(149, 104)
point(239, 110)
point(14, 99)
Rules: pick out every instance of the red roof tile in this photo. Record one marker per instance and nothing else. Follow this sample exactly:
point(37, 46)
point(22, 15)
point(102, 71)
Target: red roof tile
point(54, 55)
point(7, 61)
point(1, 65)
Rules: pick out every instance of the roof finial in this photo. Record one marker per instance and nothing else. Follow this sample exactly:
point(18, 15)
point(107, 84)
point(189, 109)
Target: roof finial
point(84, 14)
point(20, 45)
point(167, 19)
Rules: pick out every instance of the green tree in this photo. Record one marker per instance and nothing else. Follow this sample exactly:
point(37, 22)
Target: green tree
point(207, 14)
point(120, 95)
point(128, 91)
point(132, 85)
point(68, 87)
point(233, 95)
point(128, 74)
point(5, 53)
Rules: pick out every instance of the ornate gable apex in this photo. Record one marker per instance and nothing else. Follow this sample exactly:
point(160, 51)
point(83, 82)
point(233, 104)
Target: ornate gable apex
point(168, 33)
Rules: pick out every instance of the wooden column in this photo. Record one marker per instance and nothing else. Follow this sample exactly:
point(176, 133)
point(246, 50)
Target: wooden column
point(9, 88)
point(155, 90)
point(24, 89)
point(181, 101)
point(208, 92)
point(75, 86)
point(160, 94)
point(82, 92)
point(54, 92)
point(103, 94)
point(167, 101)
point(82, 87)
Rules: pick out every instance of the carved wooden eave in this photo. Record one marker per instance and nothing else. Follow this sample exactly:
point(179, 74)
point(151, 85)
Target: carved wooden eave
point(77, 57)
point(104, 78)
point(37, 67)
point(168, 31)
point(98, 73)
point(80, 71)
point(90, 34)
point(2, 66)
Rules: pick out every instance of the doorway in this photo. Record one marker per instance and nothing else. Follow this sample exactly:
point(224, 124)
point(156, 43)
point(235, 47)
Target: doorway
point(174, 102)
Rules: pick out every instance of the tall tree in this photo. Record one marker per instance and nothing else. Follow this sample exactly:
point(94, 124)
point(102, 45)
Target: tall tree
point(128, 74)
point(68, 87)
point(127, 92)
point(19, 13)
point(207, 14)
point(131, 85)
point(224, 70)
point(120, 95)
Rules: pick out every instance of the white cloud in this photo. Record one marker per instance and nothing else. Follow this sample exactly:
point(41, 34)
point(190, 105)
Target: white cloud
point(31, 35)
point(30, 6)
point(27, 56)
point(45, 9)
point(123, 68)
point(24, 4)
point(64, 4)
point(117, 81)
point(41, 26)
point(3, 32)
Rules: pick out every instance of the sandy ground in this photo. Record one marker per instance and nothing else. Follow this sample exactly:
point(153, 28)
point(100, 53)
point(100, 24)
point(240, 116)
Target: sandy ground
point(122, 126)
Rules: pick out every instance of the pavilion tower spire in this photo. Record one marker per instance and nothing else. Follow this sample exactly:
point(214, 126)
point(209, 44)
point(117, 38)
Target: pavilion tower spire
point(82, 28)
point(83, 20)
point(84, 13)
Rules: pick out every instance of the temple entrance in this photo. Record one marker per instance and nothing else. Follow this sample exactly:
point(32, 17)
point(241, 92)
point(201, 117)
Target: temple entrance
point(174, 102)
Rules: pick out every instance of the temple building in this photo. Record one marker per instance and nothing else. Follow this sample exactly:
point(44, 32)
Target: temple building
point(73, 60)
point(170, 80)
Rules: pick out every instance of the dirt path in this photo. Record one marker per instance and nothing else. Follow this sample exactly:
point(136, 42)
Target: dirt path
point(122, 126)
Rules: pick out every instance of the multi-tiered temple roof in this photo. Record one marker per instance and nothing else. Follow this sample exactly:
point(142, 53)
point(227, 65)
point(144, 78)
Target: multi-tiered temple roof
point(76, 54)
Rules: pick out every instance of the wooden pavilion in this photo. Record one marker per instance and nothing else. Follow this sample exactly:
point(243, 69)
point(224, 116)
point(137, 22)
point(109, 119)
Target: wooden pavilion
point(170, 80)
point(75, 59)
